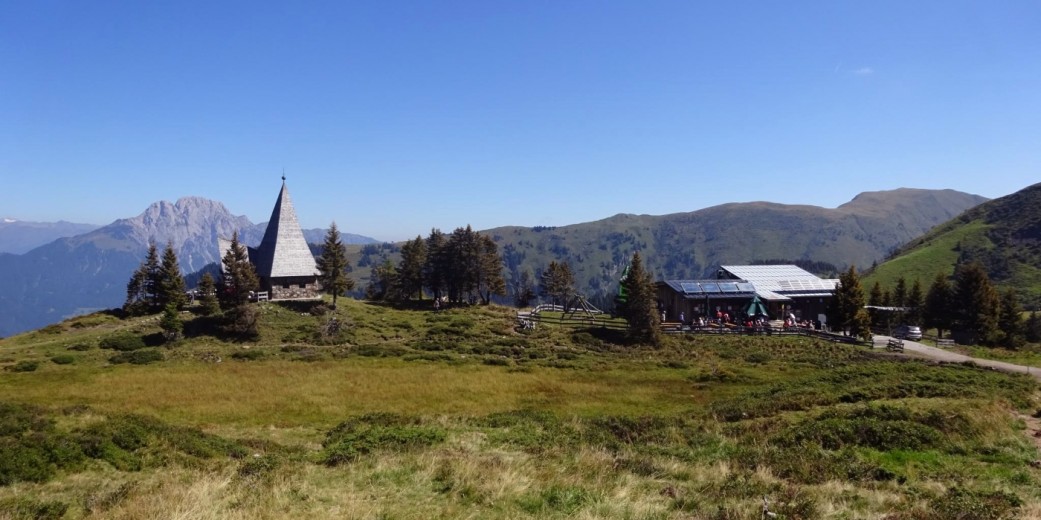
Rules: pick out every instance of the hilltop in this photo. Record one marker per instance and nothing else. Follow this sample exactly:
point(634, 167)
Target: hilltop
point(408, 412)
point(1003, 234)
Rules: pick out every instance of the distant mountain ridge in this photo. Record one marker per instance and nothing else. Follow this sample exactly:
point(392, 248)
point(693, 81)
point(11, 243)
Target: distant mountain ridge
point(1003, 234)
point(89, 271)
point(695, 244)
point(20, 236)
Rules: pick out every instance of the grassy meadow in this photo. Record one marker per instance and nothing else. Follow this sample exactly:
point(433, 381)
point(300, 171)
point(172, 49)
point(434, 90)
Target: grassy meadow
point(408, 413)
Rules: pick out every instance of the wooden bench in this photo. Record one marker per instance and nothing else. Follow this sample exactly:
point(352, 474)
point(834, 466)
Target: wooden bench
point(895, 345)
point(945, 343)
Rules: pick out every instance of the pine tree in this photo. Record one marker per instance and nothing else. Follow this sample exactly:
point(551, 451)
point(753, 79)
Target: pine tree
point(875, 300)
point(239, 278)
point(382, 283)
point(142, 289)
point(1033, 328)
point(171, 287)
point(523, 289)
point(333, 265)
point(640, 309)
point(915, 302)
point(898, 298)
point(558, 282)
point(489, 270)
point(1010, 321)
point(171, 323)
point(208, 295)
point(436, 265)
point(847, 307)
point(938, 312)
point(410, 269)
point(977, 303)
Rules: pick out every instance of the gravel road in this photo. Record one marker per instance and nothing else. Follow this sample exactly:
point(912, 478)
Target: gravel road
point(940, 354)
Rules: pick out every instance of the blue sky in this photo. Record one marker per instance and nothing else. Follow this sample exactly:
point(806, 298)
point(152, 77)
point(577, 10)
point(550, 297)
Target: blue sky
point(395, 117)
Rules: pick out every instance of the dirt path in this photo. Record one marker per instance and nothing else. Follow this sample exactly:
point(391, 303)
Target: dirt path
point(940, 354)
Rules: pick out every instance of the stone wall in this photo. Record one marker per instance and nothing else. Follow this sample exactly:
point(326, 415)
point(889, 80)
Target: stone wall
point(294, 288)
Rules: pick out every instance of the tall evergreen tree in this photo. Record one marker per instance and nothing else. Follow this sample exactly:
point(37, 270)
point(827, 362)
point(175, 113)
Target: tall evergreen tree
point(333, 265)
point(208, 295)
point(1033, 328)
point(558, 282)
point(171, 323)
point(898, 298)
point(410, 269)
point(143, 287)
point(875, 300)
point(1010, 321)
point(640, 309)
point(915, 302)
point(977, 303)
point(170, 282)
point(489, 270)
point(239, 277)
point(523, 289)
point(437, 262)
point(847, 307)
point(383, 283)
point(939, 301)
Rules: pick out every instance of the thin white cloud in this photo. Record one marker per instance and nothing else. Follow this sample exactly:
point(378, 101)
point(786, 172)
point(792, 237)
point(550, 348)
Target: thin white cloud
point(864, 71)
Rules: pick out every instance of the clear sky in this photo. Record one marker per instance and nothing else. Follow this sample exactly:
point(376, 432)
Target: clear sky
point(395, 117)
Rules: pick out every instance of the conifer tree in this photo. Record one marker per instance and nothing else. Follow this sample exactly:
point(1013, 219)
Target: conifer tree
point(171, 287)
point(875, 300)
point(938, 312)
point(1010, 321)
point(382, 283)
point(898, 298)
point(640, 309)
point(1033, 328)
point(333, 265)
point(977, 303)
point(171, 323)
point(410, 269)
point(523, 289)
point(142, 289)
point(915, 302)
point(558, 282)
point(847, 307)
point(489, 269)
point(436, 265)
point(208, 295)
point(239, 278)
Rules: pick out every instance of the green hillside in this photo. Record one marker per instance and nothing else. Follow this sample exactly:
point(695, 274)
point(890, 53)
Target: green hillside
point(1003, 234)
point(408, 413)
point(693, 245)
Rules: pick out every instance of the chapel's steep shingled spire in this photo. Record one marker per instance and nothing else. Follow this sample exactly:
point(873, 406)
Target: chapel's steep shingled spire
point(283, 252)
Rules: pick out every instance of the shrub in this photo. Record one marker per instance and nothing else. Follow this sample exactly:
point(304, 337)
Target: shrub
point(24, 507)
point(241, 322)
point(137, 357)
point(123, 342)
point(368, 433)
point(25, 366)
point(63, 359)
point(80, 347)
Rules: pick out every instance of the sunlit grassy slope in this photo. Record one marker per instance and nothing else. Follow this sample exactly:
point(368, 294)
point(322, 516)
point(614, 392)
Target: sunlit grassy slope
point(414, 414)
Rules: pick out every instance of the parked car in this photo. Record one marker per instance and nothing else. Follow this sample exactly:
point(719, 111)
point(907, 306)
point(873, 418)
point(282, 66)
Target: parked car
point(911, 332)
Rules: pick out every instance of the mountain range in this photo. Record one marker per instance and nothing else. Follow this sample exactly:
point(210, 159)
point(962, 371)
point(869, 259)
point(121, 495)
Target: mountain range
point(89, 271)
point(19, 236)
point(694, 244)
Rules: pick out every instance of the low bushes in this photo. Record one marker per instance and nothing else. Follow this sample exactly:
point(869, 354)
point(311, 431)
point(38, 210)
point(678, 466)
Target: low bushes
point(368, 433)
point(137, 357)
point(122, 342)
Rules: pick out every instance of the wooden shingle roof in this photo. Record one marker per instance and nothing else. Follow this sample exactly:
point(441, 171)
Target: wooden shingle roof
point(283, 251)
